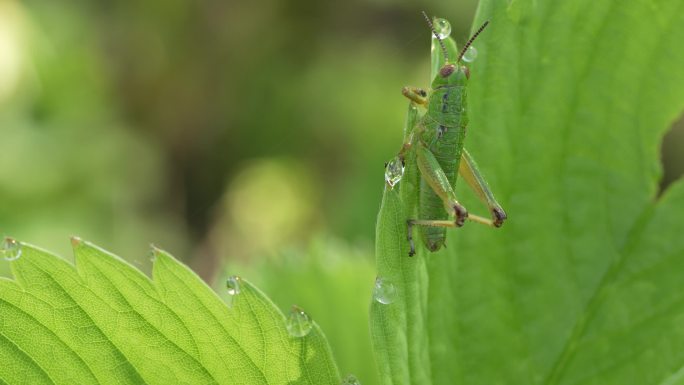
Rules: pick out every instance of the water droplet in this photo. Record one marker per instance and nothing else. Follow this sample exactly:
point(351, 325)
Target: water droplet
point(470, 54)
point(11, 249)
point(384, 291)
point(350, 379)
point(233, 285)
point(394, 170)
point(298, 323)
point(442, 27)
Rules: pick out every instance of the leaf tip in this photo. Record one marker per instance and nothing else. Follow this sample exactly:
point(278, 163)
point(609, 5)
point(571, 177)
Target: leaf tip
point(155, 252)
point(76, 241)
point(158, 254)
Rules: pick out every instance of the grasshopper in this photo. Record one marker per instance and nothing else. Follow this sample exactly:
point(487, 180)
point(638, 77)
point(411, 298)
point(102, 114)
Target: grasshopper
point(436, 136)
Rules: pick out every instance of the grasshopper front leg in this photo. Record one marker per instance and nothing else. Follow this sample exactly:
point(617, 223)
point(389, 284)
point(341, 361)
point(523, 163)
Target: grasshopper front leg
point(417, 95)
point(469, 171)
point(418, 98)
point(412, 130)
point(435, 177)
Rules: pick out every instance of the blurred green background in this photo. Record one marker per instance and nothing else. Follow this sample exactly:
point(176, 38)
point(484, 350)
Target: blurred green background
point(245, 137)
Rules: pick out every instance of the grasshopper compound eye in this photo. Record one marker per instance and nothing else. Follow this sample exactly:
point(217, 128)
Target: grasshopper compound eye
point(447, 70)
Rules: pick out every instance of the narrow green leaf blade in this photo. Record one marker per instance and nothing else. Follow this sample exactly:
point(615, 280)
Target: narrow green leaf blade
point(398, 328)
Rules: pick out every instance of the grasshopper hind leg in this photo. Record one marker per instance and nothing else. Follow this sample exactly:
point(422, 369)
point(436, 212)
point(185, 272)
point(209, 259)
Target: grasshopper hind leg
point(471, 174)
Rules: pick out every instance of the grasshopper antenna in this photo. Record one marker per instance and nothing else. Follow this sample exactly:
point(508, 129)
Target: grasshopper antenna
point(470, 41)
point(441, 43)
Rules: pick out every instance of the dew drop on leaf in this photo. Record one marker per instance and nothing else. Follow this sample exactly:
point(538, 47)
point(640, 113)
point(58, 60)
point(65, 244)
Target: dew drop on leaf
point(394, 170)
point(233, 287)
point(470, 54)
point(442, 27)
point(384, 291)
point(350, 379)
point(11, 249)
point(298, 323)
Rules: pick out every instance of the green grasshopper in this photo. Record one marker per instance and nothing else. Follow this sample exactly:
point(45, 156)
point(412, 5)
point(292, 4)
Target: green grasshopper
point(436, 137)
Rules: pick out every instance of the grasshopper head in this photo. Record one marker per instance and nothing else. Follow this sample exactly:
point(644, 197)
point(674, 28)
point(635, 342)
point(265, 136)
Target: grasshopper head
point(452, 73)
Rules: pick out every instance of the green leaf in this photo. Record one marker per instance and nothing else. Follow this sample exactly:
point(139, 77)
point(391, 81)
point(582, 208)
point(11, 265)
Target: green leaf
point(568, 102)
point(106, 322)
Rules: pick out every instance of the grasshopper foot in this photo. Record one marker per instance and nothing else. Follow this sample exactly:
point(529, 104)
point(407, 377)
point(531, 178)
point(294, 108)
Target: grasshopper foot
point(499, 216)
point(461, 214)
